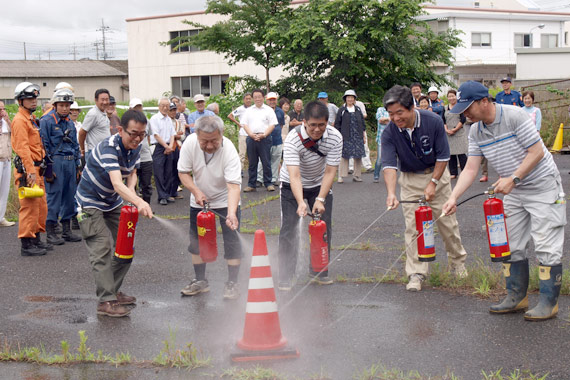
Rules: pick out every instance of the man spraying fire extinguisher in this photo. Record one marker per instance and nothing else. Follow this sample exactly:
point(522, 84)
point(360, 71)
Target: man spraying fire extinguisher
point(101, 193)
point(210, 168)
point(311, 156)
point(416, 140)
point(534, 202)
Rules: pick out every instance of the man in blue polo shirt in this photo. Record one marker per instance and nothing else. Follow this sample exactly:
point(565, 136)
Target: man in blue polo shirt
point(508, 96)
point(101, 193)
point(416, 138)
point(200, 104)
point(534, 199)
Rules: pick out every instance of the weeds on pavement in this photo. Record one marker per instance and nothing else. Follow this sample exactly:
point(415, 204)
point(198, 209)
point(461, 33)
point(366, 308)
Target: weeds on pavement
point(514, 375)
point(380, 372)
point(187, 358)
point(255, 373)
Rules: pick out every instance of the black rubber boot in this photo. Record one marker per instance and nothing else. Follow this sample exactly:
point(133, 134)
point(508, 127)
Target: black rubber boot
point(67, 234)
point(550, 281)
point(40, 244)
point(516, 277)
point(74, 223)
point(29, 249)
point(58, 229)
point(52, 236)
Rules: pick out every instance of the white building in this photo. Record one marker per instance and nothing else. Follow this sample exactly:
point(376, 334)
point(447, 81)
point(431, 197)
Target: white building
point(490, 37)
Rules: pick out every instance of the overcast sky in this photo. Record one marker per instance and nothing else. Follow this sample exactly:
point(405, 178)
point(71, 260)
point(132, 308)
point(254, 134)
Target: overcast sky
point(53, 28)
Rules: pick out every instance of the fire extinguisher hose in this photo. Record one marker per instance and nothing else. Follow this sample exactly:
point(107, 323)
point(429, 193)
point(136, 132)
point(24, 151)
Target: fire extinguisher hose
point(471, 197)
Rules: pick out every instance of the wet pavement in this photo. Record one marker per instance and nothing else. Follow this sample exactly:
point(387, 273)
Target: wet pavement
point(340, 330)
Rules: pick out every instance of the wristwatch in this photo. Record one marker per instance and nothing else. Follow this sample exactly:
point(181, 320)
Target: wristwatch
point(322, 200)
point(436, 181)
point(516, 180)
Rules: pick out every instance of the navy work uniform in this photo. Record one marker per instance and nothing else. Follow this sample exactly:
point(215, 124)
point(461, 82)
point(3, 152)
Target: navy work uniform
point(514, 98)
point(59, 137)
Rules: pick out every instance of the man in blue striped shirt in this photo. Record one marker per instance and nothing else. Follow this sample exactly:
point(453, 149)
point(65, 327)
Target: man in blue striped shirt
point(534, 199)
point(101, 194)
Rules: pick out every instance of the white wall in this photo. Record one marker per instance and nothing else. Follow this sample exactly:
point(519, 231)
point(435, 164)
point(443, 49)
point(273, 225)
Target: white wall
point(553, 64)
point(151, 65)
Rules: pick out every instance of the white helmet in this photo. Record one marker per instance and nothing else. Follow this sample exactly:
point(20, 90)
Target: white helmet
point(349, 93)
point(74, 106)
point(64, 95)
point(62, 85)
point(26, 90)
point(433, 89)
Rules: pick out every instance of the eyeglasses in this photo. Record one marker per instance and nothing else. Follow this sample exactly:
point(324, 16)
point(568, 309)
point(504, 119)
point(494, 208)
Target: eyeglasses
point(135, 135)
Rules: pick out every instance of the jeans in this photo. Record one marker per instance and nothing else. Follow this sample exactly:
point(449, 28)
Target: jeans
point(259, 150)
point(289, 234)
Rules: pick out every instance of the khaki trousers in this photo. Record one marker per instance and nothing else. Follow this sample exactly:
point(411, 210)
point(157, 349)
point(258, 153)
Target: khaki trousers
point(412, 187)
point(343, 168)
point(242, 149)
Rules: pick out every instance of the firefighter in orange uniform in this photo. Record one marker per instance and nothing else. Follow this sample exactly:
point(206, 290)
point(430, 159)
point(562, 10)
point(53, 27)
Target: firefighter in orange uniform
point(27, 145)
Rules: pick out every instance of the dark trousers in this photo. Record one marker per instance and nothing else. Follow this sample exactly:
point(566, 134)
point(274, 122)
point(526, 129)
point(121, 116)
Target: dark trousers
point(162, 166)
point(175, 180)
point(259, 150)
point(453, 163)
point(289, 235)
point(61, 192)
point(145, 180)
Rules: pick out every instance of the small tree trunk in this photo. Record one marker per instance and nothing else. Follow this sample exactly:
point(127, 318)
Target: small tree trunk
point(267, 79)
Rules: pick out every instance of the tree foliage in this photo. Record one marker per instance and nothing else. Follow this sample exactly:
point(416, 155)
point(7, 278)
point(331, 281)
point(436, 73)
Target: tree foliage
point(367, 45)
point(251, 31)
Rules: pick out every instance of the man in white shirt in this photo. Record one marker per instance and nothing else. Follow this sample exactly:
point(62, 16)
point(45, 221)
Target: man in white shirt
point(236, 116)
point(96, 125)
point(162, 137)
point(209, 167)
point(258, 122)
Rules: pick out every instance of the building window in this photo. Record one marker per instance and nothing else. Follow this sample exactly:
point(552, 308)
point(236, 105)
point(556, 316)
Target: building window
point(480, 39)
point(548, 40)
point(523, 40)
point(175, 46)
point(206, 85)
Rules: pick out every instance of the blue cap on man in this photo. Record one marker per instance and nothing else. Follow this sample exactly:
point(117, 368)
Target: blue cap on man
point(467, 93)
point(322, 95)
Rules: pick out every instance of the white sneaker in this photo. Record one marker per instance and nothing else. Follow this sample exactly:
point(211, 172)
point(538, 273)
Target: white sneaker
point(460, 270)
point(6, 223)
point(415, 282)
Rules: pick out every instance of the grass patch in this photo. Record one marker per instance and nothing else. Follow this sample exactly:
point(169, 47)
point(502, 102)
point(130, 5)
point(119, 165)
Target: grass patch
point(255, 373)
point(362, 246)
point(517, 374)
point(187, 358)
point(172, 217)
point(261, 201)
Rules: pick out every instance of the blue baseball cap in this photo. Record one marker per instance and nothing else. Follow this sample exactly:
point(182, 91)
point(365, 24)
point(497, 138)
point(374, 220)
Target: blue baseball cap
point(467, 93)
point(322, 95)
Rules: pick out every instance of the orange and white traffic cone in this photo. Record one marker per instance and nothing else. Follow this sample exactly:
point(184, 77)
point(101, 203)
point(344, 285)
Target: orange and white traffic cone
point(262, 338)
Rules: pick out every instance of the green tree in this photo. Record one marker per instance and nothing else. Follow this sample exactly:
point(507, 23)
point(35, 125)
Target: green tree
point(251, 31)
point(367, 45)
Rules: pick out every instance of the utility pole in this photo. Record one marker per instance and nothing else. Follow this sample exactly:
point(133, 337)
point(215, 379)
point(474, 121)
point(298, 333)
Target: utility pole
point(104, 29)
point(25, 57)
point(96, 44)
point(74, 52)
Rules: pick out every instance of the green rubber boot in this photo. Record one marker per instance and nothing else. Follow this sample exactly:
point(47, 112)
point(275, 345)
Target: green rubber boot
point(516, 277)
point(550, 281)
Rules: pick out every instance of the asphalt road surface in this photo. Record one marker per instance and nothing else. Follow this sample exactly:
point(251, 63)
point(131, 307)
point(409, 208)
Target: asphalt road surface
point(339, 330)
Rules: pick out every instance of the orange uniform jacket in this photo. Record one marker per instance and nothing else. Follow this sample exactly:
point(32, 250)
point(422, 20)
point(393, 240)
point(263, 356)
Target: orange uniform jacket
point(26, 140)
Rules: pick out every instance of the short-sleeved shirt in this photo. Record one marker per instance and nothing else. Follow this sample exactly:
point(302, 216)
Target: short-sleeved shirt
point(95, 190)
point(311, 165)
point(333, 109)
point(97, 126)
point(505, 142)
point(194, 116)
point(513, 98)
point(223, 167)
point(146, 155)
point(258, 119)
point(293, 115)
point(381, 113)
point(161, 125)
point(418, 152)
point(238, 113)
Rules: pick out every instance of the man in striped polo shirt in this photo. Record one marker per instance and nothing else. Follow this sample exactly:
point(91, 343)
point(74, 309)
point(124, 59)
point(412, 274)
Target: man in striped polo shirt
point(311, 155)
point(534, 201)
point(101, 193)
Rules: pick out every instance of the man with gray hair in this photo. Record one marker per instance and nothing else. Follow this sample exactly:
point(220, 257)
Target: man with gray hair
point(209, 167)
point(214, 107)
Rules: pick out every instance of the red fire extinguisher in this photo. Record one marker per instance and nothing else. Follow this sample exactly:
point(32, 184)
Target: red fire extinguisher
point(318, 244)
point(496, 227)
point(125, 248)
point(206, 223)
point(424, 226)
